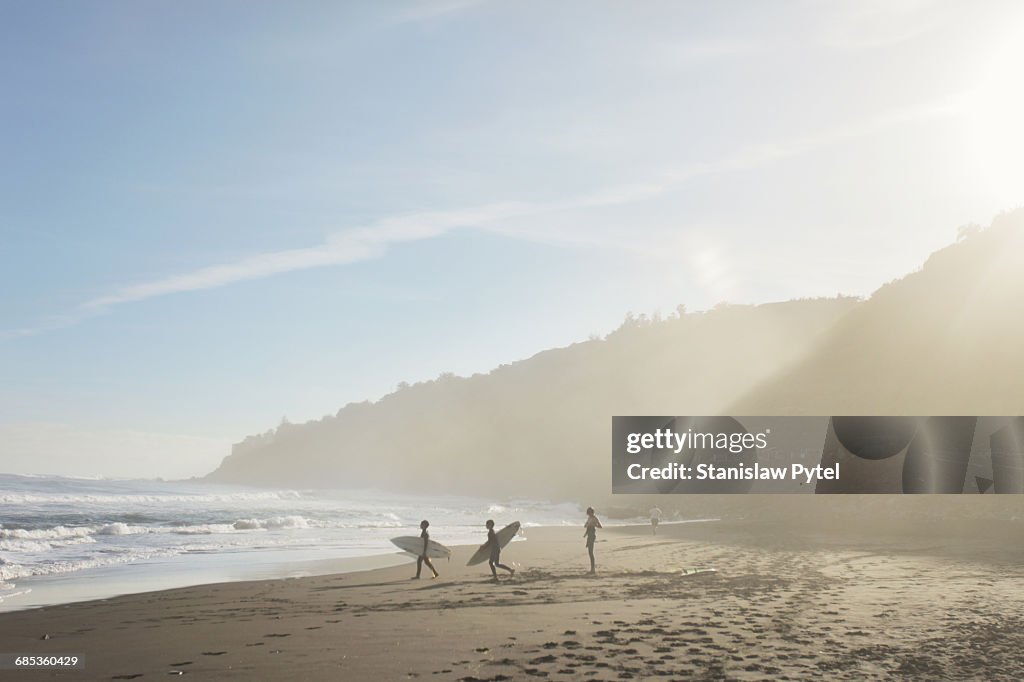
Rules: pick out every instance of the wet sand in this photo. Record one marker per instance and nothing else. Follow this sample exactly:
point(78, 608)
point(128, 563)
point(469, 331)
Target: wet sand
point(825, 602)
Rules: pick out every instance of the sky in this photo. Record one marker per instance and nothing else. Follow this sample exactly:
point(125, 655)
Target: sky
point(214, 216)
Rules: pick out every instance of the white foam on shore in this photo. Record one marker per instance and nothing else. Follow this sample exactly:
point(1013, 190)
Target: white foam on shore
point(291, 521)
point(13, 571)
point(55, 533)
point(145, 499)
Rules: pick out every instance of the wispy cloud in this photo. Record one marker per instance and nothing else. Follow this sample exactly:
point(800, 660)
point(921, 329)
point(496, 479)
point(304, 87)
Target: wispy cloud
point(870, 24)
point(47, 324)
point(373, 240)
point(347, 247)
point(425, 10)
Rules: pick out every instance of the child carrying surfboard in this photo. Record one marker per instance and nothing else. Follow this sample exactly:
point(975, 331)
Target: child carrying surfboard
point(494, 546)
point(423, 558)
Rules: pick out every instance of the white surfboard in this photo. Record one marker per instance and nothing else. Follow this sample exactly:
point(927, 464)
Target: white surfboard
point(505, 536)
point(411, 544)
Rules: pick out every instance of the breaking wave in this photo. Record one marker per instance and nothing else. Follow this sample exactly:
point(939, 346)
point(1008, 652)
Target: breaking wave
point(58, 526)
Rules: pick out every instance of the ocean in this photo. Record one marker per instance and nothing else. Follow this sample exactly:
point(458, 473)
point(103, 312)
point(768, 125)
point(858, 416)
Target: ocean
point(65, 540)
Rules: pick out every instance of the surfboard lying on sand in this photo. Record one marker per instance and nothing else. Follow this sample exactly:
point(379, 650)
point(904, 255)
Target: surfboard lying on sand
point(505, 536)
point(412, 544)
point(697, 571)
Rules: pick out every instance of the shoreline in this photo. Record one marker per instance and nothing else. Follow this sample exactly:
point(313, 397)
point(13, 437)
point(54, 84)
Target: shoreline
point(120, 580)
point(782, 602)
point(194, 570)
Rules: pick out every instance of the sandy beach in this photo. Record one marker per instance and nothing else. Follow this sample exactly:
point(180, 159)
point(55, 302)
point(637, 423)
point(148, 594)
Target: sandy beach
point(782, 603)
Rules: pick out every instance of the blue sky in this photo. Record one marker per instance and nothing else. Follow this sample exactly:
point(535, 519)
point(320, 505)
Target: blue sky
point(217, 214)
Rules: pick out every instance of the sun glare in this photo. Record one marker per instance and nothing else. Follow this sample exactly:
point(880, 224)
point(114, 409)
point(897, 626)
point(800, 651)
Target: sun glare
point(995, 119)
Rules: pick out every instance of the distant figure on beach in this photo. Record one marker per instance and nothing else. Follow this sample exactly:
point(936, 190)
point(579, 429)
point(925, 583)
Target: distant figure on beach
point(495, 548)
point(423, 558)
point(590, 532)
point(655, 520)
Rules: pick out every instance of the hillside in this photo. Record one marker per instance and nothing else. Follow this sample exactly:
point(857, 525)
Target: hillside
point(545, 421)
point(946, 339)
point(942, 340)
